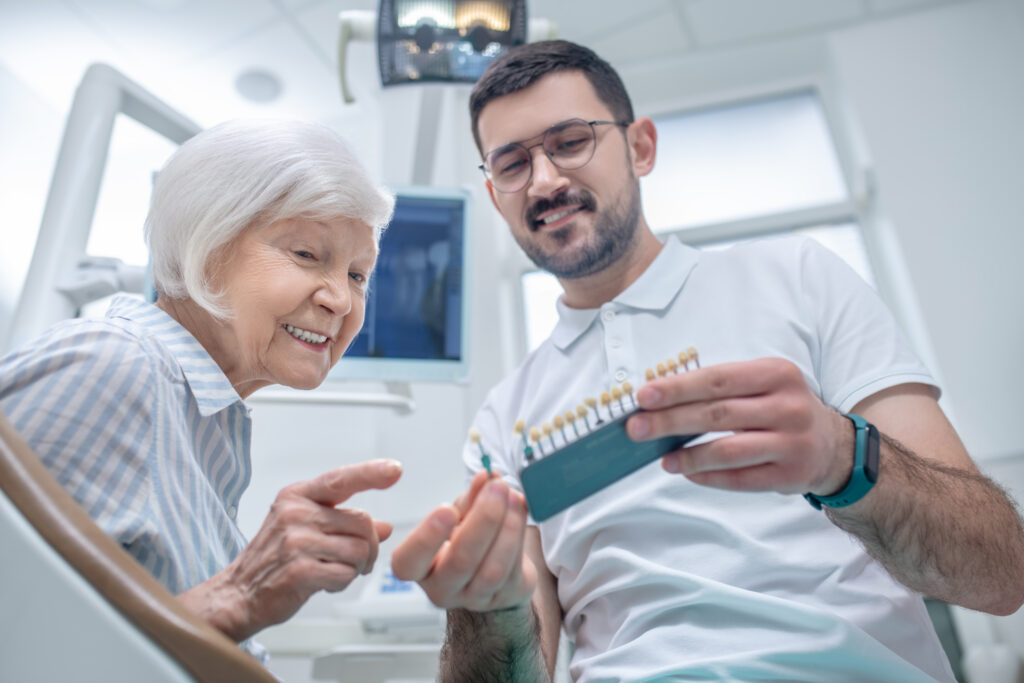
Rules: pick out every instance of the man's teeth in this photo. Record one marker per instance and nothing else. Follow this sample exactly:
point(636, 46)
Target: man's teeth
point(305, 335)
point(557, 216)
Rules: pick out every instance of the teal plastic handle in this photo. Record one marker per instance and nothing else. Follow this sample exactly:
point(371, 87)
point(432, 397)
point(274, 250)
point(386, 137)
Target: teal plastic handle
point(585, 466)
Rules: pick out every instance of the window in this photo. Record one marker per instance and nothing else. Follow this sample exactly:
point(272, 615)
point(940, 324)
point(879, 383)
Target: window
point(741, 161)
point(135, 154)
point(734, 173)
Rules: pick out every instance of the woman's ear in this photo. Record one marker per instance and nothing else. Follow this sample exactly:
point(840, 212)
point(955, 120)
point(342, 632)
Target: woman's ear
point(643, 145)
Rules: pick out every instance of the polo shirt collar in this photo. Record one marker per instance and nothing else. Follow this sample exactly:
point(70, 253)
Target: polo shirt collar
point(209, 385)
point(654, 290)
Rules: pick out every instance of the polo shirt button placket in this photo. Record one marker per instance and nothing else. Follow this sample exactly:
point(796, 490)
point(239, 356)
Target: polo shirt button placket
point(616, 338)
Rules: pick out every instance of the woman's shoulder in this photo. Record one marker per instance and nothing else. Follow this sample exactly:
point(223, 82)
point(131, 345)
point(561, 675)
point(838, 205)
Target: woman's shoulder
point(88, 348)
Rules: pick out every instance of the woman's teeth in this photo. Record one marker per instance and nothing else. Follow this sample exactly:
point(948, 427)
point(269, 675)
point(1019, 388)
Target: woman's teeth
point(305, 335)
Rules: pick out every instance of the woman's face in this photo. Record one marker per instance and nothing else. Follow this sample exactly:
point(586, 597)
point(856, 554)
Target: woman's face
point(297, 292)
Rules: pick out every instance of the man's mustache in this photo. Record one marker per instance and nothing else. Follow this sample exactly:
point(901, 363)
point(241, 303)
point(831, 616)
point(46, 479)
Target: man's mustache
point(582, 198)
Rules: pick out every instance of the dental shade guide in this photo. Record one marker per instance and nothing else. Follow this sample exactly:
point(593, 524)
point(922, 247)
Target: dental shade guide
point(601, 452)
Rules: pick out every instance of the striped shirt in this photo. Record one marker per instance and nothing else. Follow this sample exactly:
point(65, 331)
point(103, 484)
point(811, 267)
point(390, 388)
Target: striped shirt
point(140, 425)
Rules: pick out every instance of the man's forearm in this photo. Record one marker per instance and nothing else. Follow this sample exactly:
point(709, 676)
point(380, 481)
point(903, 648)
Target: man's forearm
point(945, 532)
point(497, 647)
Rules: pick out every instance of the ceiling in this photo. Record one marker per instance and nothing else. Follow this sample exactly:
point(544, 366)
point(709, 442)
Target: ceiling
point(192, 52)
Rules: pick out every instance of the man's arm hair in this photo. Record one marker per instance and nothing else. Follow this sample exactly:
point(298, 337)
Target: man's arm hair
point(502, 646)
point(942, 531)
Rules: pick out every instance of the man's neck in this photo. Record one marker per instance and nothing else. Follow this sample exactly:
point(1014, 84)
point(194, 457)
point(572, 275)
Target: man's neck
point(593, 290)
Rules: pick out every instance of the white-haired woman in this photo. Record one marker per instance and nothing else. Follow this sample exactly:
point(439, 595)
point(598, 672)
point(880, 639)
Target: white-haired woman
point(262, 236)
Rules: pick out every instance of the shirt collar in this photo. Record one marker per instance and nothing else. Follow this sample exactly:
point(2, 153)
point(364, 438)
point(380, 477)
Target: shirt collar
point(654, 290)
point(209, 385)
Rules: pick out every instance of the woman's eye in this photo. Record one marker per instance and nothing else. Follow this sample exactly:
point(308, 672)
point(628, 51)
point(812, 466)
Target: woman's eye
point(308, 255)
point(358, 277)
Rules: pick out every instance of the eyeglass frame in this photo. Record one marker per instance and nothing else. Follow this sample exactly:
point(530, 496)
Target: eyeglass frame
point(543, 136)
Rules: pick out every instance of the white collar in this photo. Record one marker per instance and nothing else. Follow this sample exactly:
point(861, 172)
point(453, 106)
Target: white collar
point(654, 290)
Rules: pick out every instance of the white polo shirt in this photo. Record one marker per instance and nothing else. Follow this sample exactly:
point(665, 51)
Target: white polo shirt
point(662, 579)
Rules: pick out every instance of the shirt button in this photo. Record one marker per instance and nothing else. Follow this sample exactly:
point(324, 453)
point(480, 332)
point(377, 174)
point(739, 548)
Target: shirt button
point(232, 511)
point(620, 375)
point(615, 343)
point(607, 316)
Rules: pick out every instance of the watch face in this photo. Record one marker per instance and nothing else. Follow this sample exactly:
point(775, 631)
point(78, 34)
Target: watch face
point(871, 457)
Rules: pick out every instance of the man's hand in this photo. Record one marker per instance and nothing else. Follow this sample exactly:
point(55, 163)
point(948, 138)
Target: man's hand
point(306, 544)
point(785, 439)
point(470, 555)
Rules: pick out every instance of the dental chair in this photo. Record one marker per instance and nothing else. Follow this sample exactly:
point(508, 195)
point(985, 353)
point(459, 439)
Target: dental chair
point(76, 607)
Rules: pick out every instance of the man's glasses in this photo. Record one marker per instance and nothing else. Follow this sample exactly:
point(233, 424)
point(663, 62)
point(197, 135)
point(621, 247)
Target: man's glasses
point(569, 144)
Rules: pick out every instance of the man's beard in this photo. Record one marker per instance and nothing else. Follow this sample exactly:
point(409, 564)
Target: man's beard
point(614, 232)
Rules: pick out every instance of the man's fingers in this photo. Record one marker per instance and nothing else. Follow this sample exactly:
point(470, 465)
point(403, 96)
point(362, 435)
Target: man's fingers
point(748, 449)
point(473, 537)
point(505, 556)
point(744, 378)
point(413, 558)
point(339, 484)
point(735, 414)
point(466, 498)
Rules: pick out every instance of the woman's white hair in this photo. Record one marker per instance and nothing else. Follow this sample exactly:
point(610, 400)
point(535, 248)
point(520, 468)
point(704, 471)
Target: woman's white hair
point(248, 173)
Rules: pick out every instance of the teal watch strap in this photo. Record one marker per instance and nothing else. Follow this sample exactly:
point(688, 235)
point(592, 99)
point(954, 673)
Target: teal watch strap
point(865, 468)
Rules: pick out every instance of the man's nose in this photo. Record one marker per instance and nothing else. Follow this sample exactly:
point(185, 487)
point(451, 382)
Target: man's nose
point(547, 179)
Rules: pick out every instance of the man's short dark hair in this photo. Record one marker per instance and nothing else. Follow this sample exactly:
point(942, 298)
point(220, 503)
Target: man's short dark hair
point(524, 65)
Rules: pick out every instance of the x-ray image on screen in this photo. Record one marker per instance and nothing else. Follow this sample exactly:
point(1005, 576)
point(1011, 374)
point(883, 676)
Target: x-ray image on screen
point(415, 308)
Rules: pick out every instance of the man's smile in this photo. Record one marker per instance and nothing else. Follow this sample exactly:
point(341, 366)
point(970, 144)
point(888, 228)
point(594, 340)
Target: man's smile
point(547, 214)
point(556, 219)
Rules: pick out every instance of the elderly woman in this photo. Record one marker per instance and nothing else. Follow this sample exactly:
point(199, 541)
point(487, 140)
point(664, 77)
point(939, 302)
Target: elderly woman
point(263, 236)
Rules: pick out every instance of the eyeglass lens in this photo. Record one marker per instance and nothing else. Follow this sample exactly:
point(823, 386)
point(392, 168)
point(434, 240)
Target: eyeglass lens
point(569, 145)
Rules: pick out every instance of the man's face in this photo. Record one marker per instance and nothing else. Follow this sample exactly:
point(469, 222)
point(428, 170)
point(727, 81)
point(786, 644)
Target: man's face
point(572, 223)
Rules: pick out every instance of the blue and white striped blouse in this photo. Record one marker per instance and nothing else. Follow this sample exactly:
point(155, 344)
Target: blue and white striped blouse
point(141, 426)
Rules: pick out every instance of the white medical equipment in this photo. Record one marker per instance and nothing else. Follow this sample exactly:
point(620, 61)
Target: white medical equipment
point(61, 277)
point(402, 630)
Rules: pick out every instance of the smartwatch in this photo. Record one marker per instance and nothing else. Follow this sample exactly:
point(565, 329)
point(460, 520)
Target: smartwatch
point(865, 468)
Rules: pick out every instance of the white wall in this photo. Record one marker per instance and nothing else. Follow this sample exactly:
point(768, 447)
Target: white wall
point(940, 100)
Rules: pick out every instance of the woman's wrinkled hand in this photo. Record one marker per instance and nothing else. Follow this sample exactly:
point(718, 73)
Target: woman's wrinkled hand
point(306, 544)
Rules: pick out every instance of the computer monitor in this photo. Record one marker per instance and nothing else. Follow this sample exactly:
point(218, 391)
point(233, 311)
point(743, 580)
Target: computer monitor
point(416, 326)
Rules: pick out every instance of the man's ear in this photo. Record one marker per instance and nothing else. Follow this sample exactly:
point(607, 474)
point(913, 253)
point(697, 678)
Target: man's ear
point(490, 191)
point(643, 145)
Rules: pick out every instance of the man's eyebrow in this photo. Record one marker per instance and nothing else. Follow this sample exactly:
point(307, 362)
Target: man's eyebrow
point(518, 143)
point(500, 149)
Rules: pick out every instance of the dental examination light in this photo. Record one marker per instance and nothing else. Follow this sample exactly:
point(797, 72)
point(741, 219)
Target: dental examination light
point(440, 41)
point(445, 40)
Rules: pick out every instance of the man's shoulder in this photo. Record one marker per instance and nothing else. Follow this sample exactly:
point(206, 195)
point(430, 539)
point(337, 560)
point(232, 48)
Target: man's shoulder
point(774, 261)
point(780, 249)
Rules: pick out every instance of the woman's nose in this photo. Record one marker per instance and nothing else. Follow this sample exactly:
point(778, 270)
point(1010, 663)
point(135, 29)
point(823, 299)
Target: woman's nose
point(334, 295)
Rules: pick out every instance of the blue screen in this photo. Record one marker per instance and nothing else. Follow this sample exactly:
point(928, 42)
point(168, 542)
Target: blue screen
point(414, 306)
